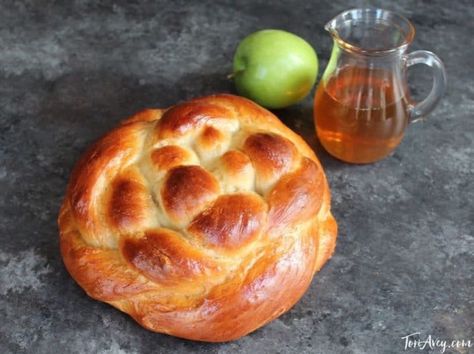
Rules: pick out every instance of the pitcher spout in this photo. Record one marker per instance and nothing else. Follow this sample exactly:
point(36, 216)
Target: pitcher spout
point(371, 30)
point(331, 26)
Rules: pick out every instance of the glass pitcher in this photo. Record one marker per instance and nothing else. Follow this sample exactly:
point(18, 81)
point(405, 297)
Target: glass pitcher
point(362, 105)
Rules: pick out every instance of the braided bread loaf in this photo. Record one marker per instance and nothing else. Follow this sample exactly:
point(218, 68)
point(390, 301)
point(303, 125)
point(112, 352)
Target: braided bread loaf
point(204, 221)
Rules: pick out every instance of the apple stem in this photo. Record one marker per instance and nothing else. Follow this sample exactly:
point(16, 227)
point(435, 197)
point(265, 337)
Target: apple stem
point(232, 75)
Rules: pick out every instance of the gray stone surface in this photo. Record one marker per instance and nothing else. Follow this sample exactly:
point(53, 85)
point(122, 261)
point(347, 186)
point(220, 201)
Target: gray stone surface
point(68, 73)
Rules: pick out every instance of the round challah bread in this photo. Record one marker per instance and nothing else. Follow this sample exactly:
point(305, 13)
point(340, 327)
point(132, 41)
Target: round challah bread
point(204, 221)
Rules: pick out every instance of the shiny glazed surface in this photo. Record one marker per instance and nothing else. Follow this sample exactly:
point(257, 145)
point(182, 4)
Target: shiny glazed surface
point(204, 221)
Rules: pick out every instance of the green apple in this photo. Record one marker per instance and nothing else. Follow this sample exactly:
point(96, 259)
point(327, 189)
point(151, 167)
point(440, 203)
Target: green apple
point(274, 68)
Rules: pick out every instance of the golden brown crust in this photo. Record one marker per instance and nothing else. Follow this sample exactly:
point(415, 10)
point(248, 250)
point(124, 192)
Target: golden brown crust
point(297, 196)
point(204, 221)
point(163, 257)
point(186, 117)
point(232, 221)
point(270, 153)
point(185, 190)
point(169, 156)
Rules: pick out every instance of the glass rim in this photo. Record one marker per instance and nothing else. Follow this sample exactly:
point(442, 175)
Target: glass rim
point(405, 26)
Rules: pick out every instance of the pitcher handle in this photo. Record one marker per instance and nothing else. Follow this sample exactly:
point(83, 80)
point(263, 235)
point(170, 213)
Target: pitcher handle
point(423, 108)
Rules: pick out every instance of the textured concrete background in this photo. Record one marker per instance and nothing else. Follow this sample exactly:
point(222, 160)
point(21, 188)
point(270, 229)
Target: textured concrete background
point(68, 73)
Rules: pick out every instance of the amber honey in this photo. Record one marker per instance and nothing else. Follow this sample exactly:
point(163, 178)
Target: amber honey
point(360, 114)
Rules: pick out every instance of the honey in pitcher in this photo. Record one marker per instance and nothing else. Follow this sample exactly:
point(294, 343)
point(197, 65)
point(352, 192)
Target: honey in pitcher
point(360, 114)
